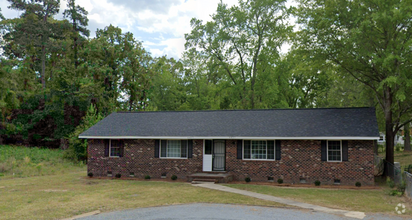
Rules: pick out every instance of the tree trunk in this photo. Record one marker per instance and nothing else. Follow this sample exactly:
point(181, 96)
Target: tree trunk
point(390, 134)
point(130, 103)
point(43, 66)
point(407, 144)
point(76, 62)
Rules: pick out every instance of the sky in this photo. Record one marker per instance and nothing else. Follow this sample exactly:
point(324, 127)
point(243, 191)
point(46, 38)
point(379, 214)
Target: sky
point(159, 24)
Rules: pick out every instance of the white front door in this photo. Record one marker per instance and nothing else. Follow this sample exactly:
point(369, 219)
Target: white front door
point(207, 155)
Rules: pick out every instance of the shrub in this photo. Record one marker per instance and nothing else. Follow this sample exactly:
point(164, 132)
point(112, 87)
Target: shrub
point(77, 147)
point(174, 177)
point(358, 184)
point(401, 187)
point(280, 181)
point(247, 179)
point(118, 175)
point(317, 183)
point(390, 183)
point(398, 147)
point(90, 174)
point(147, 177)
point(395, 192)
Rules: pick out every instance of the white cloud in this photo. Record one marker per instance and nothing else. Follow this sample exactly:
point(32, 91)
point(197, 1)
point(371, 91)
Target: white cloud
point(173, 47)
point(158, 23)
point(173, 20)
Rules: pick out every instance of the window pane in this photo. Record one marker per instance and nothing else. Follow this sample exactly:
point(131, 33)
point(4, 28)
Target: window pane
point(208, 147)
point(246, 150)
point(173, 148)
point(163, 148)
point(115, 148)
point(258, 150)
point(271, 150)
point(334, 151)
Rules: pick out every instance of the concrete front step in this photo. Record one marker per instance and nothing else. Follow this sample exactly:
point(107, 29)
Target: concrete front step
point(205, 180)
point(211, 177)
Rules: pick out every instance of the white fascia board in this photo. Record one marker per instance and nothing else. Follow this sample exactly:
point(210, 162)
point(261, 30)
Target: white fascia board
point(238, 138)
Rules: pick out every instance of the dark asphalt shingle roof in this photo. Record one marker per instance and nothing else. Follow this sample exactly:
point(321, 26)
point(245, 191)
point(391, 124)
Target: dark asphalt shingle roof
point(323, 122)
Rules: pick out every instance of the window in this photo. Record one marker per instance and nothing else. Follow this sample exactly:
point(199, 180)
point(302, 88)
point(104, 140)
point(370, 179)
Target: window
point(115, 146)
point(258, 150)
point(208, 147)
point(335, 151)
point(173, 149)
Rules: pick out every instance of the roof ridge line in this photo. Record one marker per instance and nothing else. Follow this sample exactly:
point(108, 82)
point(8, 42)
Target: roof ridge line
point(239, 110)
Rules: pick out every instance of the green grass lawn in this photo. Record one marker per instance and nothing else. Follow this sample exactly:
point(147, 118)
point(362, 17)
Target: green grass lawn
point(61, 196)
point(355, 200)
point(20, 161)
point(404, 158)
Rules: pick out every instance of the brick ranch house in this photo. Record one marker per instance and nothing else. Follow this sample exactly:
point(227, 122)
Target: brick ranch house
point(332, 145)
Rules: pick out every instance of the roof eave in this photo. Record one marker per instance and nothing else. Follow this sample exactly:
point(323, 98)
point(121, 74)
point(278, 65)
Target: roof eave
point(234, 138)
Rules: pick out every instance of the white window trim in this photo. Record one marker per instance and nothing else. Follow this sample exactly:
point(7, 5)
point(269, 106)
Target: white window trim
point(110, 150)
point(160, 151)
point(243, 150)
point(327, 151)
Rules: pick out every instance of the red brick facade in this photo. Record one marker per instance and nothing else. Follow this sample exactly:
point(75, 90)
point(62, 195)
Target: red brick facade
point(300, 159)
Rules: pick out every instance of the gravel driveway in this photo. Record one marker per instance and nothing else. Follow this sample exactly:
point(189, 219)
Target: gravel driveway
point(221, 212)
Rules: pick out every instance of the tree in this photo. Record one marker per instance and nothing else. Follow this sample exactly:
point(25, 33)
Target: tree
point(243, 41)
point(301, 79)
point(36, 27)
point(407, 130)
point(78, 147)
point(167, 91)
point(369, 41)
point(79, 21)
point(136, 71)
point(1, 15)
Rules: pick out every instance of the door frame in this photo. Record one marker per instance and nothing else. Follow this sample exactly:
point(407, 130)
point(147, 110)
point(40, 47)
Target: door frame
point(224, 156)
point(209, 157)
point(212, 150)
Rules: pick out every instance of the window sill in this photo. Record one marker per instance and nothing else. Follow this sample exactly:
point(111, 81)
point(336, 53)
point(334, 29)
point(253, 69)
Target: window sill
point(174, 158)
point(114, 157)
point(260, 160)
point(334, 161)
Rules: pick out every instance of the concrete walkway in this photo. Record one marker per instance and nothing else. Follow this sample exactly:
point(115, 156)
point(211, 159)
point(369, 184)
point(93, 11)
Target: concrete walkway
point(358, 215)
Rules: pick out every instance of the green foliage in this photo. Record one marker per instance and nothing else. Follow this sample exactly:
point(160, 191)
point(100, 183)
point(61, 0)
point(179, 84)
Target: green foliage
point(238, 49)
point(358, 184)
point(390, 183)
point(399, 147)
point(90, 175)
point(147, 177)
point(346, 54)
point(78, 147)
point(19, 161)
point(174, 177)
point(248, 179)
point(370, 42)
point(118, 175)
point(280, 181)
point(395, 192)
point(317, 183)
point(408, 168)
